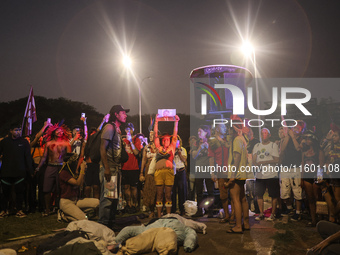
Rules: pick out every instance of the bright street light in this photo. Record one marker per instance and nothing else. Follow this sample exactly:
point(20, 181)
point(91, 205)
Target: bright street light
point(127, 61)
point(249, 51)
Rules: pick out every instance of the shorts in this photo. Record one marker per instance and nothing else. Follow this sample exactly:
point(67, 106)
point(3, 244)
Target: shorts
point(240, 182)
point(164, 176)
point(272, 184)
point(130, 177)
point(223, 190)
point(291, 182)
point(51, 179)
point(92, 174)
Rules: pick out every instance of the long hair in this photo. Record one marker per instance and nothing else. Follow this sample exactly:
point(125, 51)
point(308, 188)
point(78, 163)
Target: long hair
point(50, 133)
point(180, 140)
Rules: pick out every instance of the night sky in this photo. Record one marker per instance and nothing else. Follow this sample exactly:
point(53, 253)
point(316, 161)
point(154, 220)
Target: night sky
point(74, 49)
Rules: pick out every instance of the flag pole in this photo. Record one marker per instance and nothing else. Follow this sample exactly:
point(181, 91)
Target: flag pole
point(30, 115)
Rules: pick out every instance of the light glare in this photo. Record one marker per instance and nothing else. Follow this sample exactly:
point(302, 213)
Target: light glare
point(247, 49)
point(127, 61)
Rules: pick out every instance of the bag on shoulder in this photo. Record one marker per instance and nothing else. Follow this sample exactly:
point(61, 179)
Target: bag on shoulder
point(92, 148)
point(152, 166)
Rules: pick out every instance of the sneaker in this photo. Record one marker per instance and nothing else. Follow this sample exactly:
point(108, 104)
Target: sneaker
point(296, 217)
point(260, 217)
point(61, 216)
point(20, 214)
point(271, 218)
point(3, 214)
point(287, 212)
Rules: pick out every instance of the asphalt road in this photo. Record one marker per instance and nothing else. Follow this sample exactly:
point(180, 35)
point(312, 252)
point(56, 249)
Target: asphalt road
point(259, 240)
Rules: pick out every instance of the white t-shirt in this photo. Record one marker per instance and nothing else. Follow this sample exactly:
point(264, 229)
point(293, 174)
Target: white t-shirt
point(266, 153)
point(178, 162)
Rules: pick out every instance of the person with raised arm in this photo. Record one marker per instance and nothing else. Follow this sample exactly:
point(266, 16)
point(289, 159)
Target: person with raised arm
point(55, 150)
point(149, 190)
point(71, 204)
point(164, 169)
point(91, 179)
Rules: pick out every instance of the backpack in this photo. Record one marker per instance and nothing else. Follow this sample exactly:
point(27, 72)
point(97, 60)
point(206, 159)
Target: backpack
point(92, 147)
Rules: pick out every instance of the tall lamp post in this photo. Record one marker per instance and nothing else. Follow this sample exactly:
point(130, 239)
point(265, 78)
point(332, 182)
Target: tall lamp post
point(249, 50)
point(127, 63)
point(140, 102)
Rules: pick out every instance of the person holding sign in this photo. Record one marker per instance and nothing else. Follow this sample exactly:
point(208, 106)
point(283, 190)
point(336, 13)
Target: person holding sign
point(164, 171)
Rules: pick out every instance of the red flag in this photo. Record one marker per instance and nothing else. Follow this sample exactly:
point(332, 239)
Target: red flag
point(30, 115)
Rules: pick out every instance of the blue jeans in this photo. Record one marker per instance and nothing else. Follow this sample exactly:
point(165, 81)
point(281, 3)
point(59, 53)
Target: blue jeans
point(107, 206)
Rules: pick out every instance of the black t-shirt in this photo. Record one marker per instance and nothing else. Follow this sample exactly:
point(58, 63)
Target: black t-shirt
point(16, 157)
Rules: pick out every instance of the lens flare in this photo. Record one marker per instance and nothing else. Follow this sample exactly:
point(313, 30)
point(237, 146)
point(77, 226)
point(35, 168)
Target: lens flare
point(127, 61)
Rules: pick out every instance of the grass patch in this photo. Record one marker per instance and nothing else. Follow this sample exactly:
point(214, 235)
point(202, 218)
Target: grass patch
point(33, 224)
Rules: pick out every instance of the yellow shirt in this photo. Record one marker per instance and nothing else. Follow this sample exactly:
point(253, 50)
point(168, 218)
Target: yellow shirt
point(240, 146)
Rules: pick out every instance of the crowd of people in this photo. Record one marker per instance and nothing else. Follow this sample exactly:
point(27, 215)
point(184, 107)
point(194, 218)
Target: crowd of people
point(297, 170)
point(130, 172)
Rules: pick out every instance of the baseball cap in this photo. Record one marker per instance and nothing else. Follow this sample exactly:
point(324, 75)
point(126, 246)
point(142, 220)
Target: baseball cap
point(118, 108)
